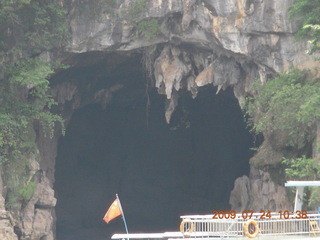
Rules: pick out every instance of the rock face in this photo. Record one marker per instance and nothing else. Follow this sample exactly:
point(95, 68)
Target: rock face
point(33, 219)
point(226, 43)
point(37, 216)
point(6, 221)
point(258, 192)
point(6, 224)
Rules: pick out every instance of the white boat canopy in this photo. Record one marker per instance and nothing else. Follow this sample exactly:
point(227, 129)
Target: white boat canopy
point(299, 192)
point(302, 184)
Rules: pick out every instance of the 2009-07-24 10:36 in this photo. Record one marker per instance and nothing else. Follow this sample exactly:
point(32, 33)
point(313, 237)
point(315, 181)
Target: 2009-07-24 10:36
point(261, 215)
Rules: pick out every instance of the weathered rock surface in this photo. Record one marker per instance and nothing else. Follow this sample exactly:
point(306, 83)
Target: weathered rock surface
point(6, 222)
point(32, 219)
point(227, 43)
point(224, 43)
point(37, 218)
point(259, 193)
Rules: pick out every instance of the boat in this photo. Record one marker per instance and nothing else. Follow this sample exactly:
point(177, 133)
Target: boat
point(264, 225)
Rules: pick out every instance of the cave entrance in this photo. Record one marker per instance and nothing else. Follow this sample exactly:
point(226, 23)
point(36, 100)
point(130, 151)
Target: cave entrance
point(160, 171)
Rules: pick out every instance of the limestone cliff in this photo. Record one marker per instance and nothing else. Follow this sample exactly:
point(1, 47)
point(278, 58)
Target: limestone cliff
point(223, 43)
point(192, 43)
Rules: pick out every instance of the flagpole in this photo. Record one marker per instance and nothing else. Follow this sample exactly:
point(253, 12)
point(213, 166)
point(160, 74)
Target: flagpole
point(124, 219)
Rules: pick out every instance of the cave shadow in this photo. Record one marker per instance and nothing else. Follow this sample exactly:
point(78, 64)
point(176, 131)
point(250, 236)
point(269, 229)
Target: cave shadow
point(159, 170)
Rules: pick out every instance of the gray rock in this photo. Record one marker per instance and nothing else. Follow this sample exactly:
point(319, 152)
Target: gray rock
point(226, 43)
point(260, 194)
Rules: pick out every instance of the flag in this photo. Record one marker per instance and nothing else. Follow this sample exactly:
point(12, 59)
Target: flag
point(113, 211)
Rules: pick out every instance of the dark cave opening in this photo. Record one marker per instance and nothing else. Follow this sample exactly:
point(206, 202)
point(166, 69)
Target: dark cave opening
point(160, 171)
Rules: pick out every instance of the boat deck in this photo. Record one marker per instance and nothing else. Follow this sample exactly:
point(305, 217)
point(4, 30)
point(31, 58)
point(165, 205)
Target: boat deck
point(179, 236)
point(274, 227)
point(222, 225)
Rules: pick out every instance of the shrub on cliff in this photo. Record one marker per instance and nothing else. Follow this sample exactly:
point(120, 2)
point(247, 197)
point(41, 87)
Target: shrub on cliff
point(27, 29)
point(288, 104)
point(304, 168)
point(308, 11)
point(286, 109)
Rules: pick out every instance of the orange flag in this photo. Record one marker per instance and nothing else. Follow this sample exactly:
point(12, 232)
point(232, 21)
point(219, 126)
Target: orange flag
point(113, 211)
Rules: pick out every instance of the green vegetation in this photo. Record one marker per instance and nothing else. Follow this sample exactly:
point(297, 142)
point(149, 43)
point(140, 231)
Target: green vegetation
point(149, 28)
point(27, 191)
point(288, 105)
point(301, 168)
point(286, 108)
point(87, 8)
point(308, 11)
point(18, 176)
point(304, 169)
point(28, 28)
point(136, 10)
point(24, 99)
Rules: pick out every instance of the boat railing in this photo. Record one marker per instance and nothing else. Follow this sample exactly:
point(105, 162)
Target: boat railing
point(275, 223)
